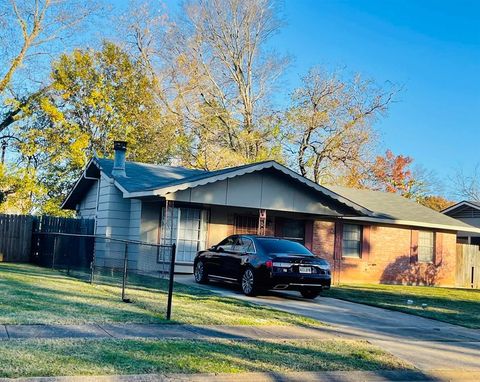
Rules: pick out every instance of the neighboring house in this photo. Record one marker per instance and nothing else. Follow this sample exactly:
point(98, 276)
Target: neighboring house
point(469, 213)
point(367, 236)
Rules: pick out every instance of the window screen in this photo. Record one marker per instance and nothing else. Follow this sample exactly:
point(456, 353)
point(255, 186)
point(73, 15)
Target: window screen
point(426, 245)
point(352, 240)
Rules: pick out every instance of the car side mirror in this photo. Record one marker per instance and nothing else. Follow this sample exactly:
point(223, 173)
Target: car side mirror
point(219, 249)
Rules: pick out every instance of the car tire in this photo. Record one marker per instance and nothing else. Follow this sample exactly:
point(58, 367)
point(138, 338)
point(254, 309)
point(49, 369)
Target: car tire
point(248, 282)
point(309, 293)
point(200, 273)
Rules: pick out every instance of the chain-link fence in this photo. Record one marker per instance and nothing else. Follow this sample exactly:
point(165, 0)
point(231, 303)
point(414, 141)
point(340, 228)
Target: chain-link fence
point(133, 269)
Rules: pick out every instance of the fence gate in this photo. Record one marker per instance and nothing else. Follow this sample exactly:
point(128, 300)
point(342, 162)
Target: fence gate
point(468, 266)
point(15, 238)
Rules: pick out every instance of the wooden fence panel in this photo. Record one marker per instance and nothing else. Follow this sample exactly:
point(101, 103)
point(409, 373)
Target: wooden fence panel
point(15, 238)
point(468, 266)
point(52, 250)
point(18, 242)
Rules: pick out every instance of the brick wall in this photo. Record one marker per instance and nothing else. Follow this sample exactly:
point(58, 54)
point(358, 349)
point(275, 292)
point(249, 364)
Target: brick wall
point(388, 256)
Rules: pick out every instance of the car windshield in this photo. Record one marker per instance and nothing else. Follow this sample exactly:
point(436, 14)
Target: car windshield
point(277, 247)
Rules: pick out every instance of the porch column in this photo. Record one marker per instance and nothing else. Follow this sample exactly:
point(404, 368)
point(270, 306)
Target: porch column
point(262, 222)
point(168, 223)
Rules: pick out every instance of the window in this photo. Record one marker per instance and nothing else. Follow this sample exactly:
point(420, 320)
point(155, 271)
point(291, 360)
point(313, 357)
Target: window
point(280, 247)
point(244, 245)
point(188, 228)
point(291, 229)
point(426, 246)
point(245, 225)
point(227, 244)
point(352, 240)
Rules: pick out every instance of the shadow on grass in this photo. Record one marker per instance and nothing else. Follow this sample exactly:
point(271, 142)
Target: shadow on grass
point(29, 294)
point(452, 309)
point(149, 356)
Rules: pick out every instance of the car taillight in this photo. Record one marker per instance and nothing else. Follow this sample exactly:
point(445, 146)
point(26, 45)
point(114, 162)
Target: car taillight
point(269, 263)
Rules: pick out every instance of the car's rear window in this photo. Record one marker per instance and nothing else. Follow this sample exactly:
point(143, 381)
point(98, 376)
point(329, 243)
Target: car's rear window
point(278, 247)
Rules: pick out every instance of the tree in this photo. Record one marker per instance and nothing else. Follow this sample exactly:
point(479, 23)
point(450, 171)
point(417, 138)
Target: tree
point(435, 202)
point(31, 32)
point(393, 173)
point(467, 185)
point(331, 120)
point(95, 97)
point(217, 78)
point(18, 190)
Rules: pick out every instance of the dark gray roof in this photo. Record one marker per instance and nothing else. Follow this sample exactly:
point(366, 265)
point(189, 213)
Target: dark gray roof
point(143, 177)
point(393, 206)
point(146, 177)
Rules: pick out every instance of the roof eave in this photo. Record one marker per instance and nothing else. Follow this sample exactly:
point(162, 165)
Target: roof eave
point(83, 176)
point(460, 204)
point(415, 224)
point(164, 191)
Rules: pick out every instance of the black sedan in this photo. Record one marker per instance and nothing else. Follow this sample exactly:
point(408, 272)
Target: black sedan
point(261, 262)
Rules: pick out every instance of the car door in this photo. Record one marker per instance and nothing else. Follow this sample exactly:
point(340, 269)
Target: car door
point(234, 260)
point(220, 256)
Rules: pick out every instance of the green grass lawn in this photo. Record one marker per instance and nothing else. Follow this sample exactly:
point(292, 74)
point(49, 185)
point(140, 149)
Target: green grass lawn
point(456, 306)
point(34, 295)
point(97, 357)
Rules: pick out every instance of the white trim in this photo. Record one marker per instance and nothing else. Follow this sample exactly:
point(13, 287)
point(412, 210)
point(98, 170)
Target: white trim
point(247, 170)
point(460, 204)
point(412, 223)
point(83, 176)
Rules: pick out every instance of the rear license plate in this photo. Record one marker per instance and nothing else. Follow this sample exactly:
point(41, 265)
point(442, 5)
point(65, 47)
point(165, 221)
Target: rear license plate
point(305, 269)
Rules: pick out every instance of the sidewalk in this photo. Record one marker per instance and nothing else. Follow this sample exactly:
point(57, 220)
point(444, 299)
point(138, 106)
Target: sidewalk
point(323, 376)
point(162, 331)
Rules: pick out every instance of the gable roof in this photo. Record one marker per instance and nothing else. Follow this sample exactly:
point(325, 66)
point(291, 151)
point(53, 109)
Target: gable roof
point(462, 204)
point(400, 210)
point(143, 180)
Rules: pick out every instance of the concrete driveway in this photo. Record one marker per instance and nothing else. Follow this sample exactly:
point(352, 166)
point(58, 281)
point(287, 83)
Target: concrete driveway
point(427, 344)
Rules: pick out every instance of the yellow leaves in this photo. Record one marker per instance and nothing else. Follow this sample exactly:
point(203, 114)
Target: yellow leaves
point(51, 110)
point(78, 150)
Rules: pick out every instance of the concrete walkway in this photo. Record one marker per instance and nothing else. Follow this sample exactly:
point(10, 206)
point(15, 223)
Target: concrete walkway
point(162, 331)
point(325, 376)
point(425, 343)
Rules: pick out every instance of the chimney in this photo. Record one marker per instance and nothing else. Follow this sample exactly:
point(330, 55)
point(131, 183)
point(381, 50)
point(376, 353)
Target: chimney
point(120, 148)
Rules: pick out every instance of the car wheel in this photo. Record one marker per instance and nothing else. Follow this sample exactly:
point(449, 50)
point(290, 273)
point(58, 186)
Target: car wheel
point(200, 273)
point(248, 282)
point(310, 293)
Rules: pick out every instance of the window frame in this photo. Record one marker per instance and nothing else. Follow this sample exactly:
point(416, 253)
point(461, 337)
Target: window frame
point(360, 241)
point(431, 259)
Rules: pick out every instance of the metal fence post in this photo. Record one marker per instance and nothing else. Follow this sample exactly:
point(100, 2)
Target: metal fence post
point(125, 266)
point(54, 250)
point(170, 281)
point(92, 263)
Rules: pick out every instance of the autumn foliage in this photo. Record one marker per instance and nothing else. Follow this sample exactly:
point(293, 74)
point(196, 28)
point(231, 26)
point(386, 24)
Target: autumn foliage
point(392, 173)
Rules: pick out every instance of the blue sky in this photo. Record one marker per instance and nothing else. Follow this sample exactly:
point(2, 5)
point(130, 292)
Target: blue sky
point(429, 47)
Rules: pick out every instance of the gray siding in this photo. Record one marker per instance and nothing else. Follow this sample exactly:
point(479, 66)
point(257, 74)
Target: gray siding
point(258, 190)
point(467, 215)
point(87, 208)
point(117, 218)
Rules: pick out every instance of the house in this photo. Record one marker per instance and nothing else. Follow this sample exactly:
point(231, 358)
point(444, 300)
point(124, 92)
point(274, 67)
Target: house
point(366, 236)
point(469, 213)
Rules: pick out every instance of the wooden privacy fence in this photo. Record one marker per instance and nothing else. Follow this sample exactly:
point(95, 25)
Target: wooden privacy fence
point(20, 235)
point(15, 238)
point(468, 266)
point(48, 248)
